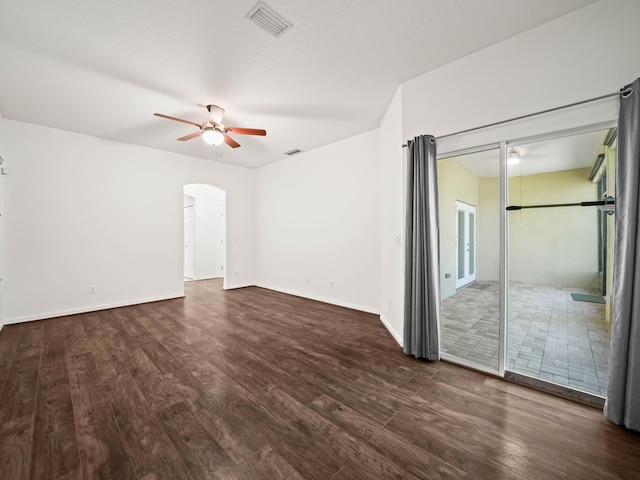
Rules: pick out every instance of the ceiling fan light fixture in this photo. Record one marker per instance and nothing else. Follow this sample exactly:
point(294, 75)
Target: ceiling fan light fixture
point(211, 136)
point(513, 158)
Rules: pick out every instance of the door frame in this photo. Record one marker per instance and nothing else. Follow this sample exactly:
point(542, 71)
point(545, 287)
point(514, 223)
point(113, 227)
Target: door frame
point(210, 217)
point(469, 257)
point(191, 232)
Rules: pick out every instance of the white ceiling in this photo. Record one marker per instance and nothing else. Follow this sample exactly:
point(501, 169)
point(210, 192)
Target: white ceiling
point(104, 67)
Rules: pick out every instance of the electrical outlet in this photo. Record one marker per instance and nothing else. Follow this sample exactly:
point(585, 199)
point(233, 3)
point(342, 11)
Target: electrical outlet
point(92, 289)
point(307, 281)
point(330, 284)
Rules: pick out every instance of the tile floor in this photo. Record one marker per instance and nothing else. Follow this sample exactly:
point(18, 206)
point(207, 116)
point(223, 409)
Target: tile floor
point(551, 336)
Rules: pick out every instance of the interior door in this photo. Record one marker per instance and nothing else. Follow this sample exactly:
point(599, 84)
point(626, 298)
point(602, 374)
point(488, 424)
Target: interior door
point(189, 238)
point(465, 244)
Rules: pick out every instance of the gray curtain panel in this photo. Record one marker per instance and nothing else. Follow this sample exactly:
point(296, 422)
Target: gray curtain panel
point(422, 277)
point(623, 395)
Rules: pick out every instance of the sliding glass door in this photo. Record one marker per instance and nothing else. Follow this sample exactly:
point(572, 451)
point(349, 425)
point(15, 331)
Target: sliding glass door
point(558, 322)
point(469, 257)
point(525, 257)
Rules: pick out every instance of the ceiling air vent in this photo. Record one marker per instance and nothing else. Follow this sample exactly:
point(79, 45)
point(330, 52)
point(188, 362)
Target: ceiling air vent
point(267, 18)
point(292, 152)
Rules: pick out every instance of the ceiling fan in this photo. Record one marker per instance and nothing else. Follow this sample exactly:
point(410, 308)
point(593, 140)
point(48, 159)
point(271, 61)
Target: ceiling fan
point(212, 131)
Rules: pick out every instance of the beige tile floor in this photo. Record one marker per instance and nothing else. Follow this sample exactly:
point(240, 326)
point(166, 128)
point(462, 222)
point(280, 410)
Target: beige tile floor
point(550, 336)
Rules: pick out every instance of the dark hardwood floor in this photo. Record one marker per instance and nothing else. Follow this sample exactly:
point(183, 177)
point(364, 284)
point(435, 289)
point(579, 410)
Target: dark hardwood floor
point(254, 384)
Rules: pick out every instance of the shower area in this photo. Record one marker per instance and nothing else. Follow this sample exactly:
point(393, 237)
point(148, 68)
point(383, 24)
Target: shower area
point(524, 263)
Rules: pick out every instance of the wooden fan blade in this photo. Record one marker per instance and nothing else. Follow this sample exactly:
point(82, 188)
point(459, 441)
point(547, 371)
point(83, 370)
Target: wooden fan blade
point(247, 131)
point(190, 136)
point(230, 141)
point(176, 119)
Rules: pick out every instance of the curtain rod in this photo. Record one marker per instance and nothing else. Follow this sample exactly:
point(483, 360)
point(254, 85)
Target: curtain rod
point(597, 203)
point(542, 112)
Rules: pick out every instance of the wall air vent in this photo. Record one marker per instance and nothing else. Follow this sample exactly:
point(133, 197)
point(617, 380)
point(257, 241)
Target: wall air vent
point(267, 18)
point(292, 152)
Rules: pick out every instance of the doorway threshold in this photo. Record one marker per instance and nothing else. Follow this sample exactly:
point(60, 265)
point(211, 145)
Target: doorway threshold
point(595, 401)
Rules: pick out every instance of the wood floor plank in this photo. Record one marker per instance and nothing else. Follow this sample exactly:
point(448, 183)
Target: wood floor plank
point(328, 439)
point(55, 449)
point(290, 442)
point(16, 438)
point(200, 453)
point(127, 345)
point(250, 370)
point(462, 445)
point(150, 450)
point(419, 462)
point(249, 383)
point(8, 347)
point(91, 324)
point(528, 427)
point(101, 450)
point(267, 465)
point(200, 383)
point(18, 404)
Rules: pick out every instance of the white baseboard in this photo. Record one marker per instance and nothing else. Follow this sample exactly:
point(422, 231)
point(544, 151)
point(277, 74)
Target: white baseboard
point(208, 277)
point(238, 285)
point(392, 331)
point(93, 308)
point(320, 299)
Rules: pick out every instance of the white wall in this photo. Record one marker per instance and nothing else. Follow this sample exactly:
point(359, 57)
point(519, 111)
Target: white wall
point(588, 53)
point(554, 246)
point(2, 217)
point(318, 218)
point(489, 230)
point(392, 161)
point(209, 230)
point(82, 210)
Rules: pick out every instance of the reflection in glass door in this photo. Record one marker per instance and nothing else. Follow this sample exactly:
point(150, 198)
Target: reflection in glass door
point(469, 216)
point(466, 244)
point(559, 316)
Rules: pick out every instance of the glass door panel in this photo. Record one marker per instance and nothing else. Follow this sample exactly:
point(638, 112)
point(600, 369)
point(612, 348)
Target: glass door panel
point(558, 319)
point(469, 214)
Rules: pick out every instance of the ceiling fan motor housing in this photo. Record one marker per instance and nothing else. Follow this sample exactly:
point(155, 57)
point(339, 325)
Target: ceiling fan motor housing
point(215, 113)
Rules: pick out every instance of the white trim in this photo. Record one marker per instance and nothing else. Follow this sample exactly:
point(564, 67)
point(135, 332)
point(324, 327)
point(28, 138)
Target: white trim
point(563, 133)
point(239, 285)
point(208, 277)
point(390, 329)
point(503, 298)
point(467, 151)
point(95, 308)
point(319, 299)
point(573, 118)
